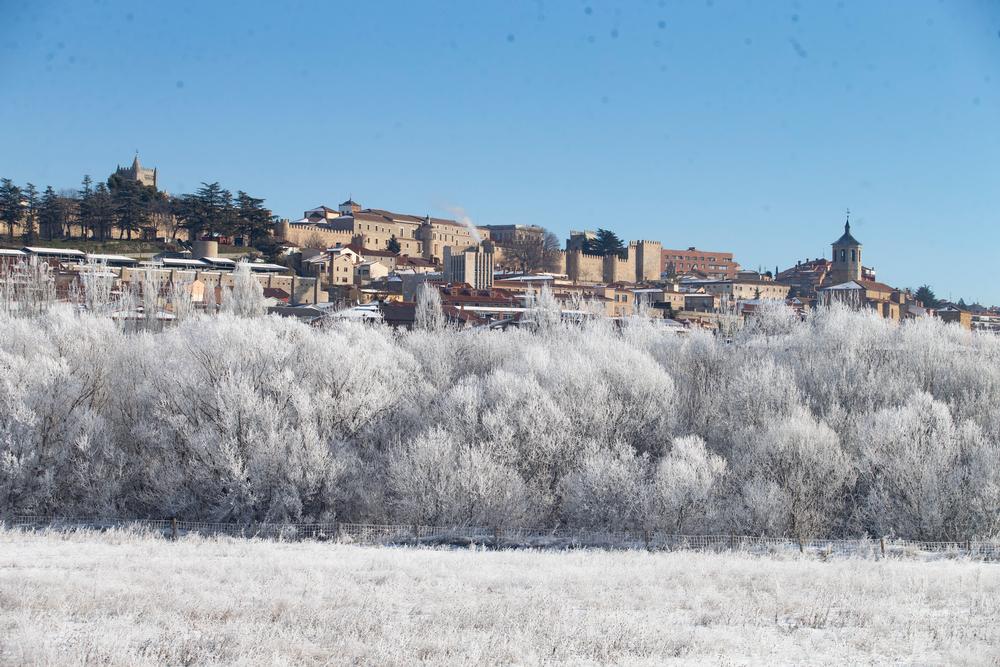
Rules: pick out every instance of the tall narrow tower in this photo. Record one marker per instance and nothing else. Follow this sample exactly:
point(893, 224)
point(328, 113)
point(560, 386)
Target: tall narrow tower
point(846, 257)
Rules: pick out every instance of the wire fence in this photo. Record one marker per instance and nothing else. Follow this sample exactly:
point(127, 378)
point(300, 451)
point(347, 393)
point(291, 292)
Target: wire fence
point(513, 538)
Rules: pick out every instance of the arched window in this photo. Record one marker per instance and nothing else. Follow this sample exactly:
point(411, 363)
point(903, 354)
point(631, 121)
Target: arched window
point(843, 255)
point(854, 255)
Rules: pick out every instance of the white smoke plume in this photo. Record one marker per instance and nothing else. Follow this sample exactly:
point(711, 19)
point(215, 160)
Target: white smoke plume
point(464, 218)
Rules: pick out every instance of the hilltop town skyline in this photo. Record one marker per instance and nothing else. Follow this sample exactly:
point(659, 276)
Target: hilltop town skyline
point(700, 125)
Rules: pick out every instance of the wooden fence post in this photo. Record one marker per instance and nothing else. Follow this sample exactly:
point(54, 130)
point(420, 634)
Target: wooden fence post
point(173, 528)
point(881, 544)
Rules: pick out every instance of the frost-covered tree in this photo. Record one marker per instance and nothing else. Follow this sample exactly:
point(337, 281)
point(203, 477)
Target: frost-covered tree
point(434, 480)
point(793, 480)
point(926, 476)
point(429, 315)
point(686, 487)
point(246, 297)
point(608, 491)
point(841, 424)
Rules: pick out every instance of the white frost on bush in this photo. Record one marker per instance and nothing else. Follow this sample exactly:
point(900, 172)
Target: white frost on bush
point(840, 425)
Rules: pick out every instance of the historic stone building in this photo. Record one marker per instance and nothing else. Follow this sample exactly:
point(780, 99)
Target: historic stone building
point(136, 172)
point(641, 263)
point(417, 236)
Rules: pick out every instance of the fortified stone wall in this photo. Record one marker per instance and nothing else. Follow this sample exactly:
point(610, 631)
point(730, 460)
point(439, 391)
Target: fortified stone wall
point(299, 235)
point(648, 259)
point(583, 268)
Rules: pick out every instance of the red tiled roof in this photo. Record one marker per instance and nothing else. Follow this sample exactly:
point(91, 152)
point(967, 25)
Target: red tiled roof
point(875, 286)
point(276, 293)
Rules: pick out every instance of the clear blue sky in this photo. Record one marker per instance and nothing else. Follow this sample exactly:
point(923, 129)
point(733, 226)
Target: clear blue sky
point(743, 126)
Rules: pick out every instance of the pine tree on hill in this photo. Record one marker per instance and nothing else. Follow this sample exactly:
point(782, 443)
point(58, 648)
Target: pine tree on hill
point(30, 232)
point(925, 295)
point(606, 242)
point(11, 205)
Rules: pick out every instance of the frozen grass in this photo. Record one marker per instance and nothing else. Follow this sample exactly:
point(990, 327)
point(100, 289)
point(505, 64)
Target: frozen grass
point(126, 599)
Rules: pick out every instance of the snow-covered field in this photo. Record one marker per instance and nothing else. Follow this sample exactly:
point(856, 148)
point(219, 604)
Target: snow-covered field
point(123, 599)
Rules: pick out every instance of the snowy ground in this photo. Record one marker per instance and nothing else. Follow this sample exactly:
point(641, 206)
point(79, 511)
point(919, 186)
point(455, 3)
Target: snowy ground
point(128, 600)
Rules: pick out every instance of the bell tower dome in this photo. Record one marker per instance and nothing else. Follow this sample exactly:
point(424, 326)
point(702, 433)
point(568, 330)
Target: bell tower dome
point(846, 256)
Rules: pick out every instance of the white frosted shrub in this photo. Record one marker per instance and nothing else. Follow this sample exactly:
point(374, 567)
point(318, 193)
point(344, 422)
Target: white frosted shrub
point(686, 487)
point(842, 424)
point(609, 490)
point(434, 480)
point(795, 478)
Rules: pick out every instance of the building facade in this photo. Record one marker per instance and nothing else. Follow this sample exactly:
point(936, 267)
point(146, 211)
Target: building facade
point(472, 266)
point(378, 229)
point(713, 264)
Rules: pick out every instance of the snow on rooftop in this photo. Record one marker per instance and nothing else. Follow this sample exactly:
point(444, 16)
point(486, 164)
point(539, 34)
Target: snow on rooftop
point(361, 312)
point(531, 278)
point(110, 258)
point(180, 261)
point(264, 266)
point(34, 250)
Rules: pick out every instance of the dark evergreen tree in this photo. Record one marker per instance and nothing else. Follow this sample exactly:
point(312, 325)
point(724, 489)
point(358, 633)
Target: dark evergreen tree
point(131, 208)
point(204, 212)
point(32, 201)
point(50, 214)
point(925, 295)
point(11, 205)
point(101, 212)
point(393, 244)
point(86, 199)
point(606, 242)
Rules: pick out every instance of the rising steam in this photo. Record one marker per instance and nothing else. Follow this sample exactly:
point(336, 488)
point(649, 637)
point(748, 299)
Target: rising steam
point(463, 217)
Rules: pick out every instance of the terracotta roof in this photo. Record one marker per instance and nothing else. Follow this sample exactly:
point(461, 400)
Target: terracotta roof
point(875, 286)
point(406, 260)
point(461, 315)
point(381, 215)
point(276, 293)
point(371, 252)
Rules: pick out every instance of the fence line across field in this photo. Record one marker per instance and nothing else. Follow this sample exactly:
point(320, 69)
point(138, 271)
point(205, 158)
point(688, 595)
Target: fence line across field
point(390, 534)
